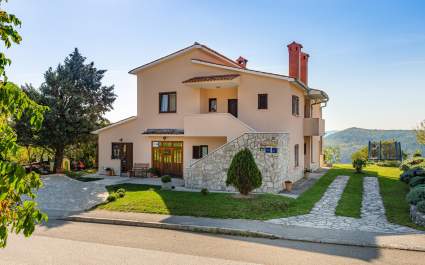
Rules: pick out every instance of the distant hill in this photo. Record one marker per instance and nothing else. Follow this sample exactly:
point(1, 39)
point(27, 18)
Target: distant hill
point(352, 139)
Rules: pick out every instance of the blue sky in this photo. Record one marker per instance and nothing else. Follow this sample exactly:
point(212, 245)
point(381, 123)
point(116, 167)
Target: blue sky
point(369, 56)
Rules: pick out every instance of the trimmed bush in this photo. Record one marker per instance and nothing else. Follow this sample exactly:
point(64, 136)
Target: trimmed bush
point(120, 192)
point(358, 164)
point(204, 191)
point(166, 179)
point(389, 163)
point(416, 181)
point(243, 172)
point(416, 195)
point(415, 162)
point(112, 197)
point(421, 206)
point(406, 176)
point(154, 171)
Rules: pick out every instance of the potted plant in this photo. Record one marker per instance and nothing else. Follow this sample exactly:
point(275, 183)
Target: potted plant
point(288, 185)
point(166, 182)
point(153, 172)
point(358, 164)
point(110, 171)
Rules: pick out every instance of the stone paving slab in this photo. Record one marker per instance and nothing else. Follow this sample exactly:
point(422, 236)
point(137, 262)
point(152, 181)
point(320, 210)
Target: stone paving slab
point(372, 219)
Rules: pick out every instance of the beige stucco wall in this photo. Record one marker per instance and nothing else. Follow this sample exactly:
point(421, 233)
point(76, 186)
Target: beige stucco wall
point(168, 77)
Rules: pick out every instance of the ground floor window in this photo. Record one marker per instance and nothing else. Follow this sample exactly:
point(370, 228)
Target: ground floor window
point(297, 155)
point(199, 151)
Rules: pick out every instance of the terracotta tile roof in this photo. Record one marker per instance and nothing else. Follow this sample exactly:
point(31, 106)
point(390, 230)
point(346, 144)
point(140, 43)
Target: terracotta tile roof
point(211, 78)
point(163, 131)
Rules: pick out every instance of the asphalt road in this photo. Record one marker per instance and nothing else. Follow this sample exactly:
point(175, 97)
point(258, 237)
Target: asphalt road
point(82, 243)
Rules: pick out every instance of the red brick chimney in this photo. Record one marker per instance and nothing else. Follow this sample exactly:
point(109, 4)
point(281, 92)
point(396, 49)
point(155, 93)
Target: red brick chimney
point(294, 50)
point(304, 68)
point(242, 62)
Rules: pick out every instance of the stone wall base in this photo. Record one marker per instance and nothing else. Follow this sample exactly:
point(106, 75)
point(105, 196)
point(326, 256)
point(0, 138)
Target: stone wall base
point(416, 216)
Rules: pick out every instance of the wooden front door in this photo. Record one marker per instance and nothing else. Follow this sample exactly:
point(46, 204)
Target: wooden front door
point(232, 107)
point(167, 156)
point(124, 152)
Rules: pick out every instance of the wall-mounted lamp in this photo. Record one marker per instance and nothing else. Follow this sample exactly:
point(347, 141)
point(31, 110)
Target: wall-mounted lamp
point(163, 138)
point(120, 139)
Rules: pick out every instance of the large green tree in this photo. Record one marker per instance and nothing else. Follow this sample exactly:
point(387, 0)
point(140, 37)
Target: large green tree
point(77, 100)
point(16, 214)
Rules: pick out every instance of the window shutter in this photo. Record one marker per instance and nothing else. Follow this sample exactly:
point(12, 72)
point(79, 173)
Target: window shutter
point(196, 151)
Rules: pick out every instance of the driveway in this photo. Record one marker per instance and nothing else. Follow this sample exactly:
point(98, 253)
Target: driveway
point(62, 196)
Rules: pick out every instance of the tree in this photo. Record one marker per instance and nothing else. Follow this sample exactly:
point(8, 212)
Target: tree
point(243, 172)
point(420, 133)
point(16, 214)
point(332, 155)
point(77, 101)
point(361, 153)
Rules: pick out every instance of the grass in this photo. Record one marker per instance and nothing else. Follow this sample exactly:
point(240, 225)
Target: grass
point(393, 193)
point(150, 199)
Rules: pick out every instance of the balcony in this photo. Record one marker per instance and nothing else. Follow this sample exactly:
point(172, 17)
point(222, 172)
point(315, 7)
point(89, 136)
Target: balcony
point(314, 127)
point(214, 124)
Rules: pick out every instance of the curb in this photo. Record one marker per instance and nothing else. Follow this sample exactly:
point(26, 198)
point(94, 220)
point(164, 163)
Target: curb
point(231, 231)
point(182, 227)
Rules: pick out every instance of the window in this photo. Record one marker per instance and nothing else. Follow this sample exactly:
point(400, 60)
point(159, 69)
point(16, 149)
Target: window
point(115, 151)
point(167, 102)
point(199, 151)
point(262, 101)
point(297, 155)
point(295, 105)
point(212, 105)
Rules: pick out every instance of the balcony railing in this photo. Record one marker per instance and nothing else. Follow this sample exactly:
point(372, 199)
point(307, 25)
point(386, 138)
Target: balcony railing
point(215, 124)
point(314, 127)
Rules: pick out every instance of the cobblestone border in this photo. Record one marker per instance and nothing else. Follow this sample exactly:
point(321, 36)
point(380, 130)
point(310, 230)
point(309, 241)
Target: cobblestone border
point(416, 216)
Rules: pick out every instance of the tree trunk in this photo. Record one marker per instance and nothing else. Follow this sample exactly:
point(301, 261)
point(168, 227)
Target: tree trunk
point(58, 159)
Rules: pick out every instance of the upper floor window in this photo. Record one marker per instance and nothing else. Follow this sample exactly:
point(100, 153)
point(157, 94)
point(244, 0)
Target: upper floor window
point(295, 105)
point(212, 105)
point(199, 151)
point(297, 155)
point(168, 102)
point(262, 101)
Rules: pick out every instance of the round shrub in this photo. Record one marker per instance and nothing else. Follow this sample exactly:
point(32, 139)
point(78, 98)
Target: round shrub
point(416, 181)
point(421, 206)
point(243, 172)
point(416, 195)
point(358, 164)
point(204, 191)
point(120, 192)
point(166, 179)
point(154, 171)
point(112, 197)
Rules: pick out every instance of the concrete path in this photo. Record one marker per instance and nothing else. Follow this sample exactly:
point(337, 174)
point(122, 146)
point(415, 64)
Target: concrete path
point(62, 196)
point(372, 219)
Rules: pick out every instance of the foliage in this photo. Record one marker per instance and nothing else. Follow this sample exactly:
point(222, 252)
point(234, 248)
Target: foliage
point(420, 133)
point(389, 163)
point(420, 206)
point(120, 192)
point(414, 162)
point(358, 164)
point(154, 171)
point(332, 155)
point(16, 213)
point(417, 180)
point(361, 154)
point(243, 172)
point(77, 101)
point(204, 191)
point(84, 151)
point(415, 195)
point(112, 197)
point(407, 175)
point(417, 153)
point(165, 179)
point(79, 175)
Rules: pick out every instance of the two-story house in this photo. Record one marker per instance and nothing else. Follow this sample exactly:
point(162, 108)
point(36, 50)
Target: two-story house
point(196, 108)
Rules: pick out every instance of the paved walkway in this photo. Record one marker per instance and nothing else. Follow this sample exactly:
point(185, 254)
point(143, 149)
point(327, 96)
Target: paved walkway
point(372, 219)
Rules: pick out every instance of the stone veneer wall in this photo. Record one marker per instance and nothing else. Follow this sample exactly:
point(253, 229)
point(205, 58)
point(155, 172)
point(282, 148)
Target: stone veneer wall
point(211, 171)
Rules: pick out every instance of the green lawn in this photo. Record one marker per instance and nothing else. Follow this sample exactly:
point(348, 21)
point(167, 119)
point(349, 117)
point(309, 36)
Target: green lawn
point(79, 175)
point(150, 199)
point(393, 193)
